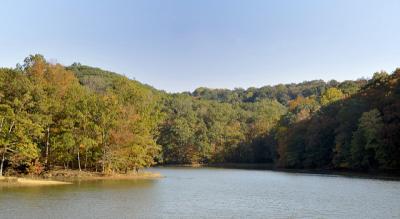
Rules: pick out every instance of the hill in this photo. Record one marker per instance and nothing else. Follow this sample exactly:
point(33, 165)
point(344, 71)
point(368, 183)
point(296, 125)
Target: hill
point(82, 117)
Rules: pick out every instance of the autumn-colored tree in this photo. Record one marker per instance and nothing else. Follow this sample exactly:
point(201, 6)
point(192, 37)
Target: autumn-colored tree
point(82, 117)
point(331, 95)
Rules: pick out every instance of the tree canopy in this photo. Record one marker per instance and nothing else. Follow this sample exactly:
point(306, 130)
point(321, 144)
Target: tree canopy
point(82, 117)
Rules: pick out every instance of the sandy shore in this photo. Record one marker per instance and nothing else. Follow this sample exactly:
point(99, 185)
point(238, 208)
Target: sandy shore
point(19, 181)
point(65, 177)
point(74, 175)
point(26, 181)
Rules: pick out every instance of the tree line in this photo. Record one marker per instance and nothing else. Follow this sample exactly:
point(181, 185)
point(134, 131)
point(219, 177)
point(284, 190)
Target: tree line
point(48, 118)
point(81, 117)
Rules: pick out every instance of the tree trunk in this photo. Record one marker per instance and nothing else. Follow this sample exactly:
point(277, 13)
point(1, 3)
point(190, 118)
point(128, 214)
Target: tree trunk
point(86, 158)
point(103, 166)
point(104, 152)
point(3, 158)
point(46, 162)
point(79, 162)
point(2, 161)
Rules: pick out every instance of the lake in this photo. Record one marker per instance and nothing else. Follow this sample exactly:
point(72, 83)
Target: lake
point(209, 193)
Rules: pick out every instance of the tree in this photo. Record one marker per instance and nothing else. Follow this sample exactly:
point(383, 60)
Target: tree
point(367, 140)
point(106, 119)
point(331, 95)
point(85, 117)
point(17, 128)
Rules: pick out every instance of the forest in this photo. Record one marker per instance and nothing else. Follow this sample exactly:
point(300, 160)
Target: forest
point(85, 118)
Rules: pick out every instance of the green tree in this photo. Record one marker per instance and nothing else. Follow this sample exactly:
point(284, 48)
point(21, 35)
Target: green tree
point(331, 95)
point(367, 140)
point(17, 128)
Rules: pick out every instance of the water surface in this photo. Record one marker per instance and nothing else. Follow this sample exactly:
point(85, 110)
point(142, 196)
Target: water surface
point(209, 193)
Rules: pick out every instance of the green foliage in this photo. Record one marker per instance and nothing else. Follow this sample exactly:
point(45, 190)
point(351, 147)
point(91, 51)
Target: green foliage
point(86, 118)
point(283, 93)
point(366, 142)
point(331, 95)
point(48, 117)
point(357, 132)
point(17, 128)
point(209, 131)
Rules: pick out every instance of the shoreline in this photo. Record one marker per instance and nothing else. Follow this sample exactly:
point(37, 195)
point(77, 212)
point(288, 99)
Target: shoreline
point(68, 177)
point(73, 175)
point(394, 175)
point(29, 181)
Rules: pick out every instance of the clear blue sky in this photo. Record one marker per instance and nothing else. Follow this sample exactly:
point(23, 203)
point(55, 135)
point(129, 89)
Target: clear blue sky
point(178, 45)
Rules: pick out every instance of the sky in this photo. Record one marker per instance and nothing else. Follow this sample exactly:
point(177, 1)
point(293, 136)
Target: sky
point(179, 45)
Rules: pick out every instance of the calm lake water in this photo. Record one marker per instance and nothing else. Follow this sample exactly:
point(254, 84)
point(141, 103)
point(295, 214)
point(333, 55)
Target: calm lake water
point(209, 193)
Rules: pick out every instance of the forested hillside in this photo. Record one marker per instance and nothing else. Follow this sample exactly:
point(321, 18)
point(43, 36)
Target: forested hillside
point(82, 117)
point(49, 119)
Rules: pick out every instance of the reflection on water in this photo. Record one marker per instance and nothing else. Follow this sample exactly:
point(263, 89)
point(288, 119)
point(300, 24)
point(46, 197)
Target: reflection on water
point(208, 193)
